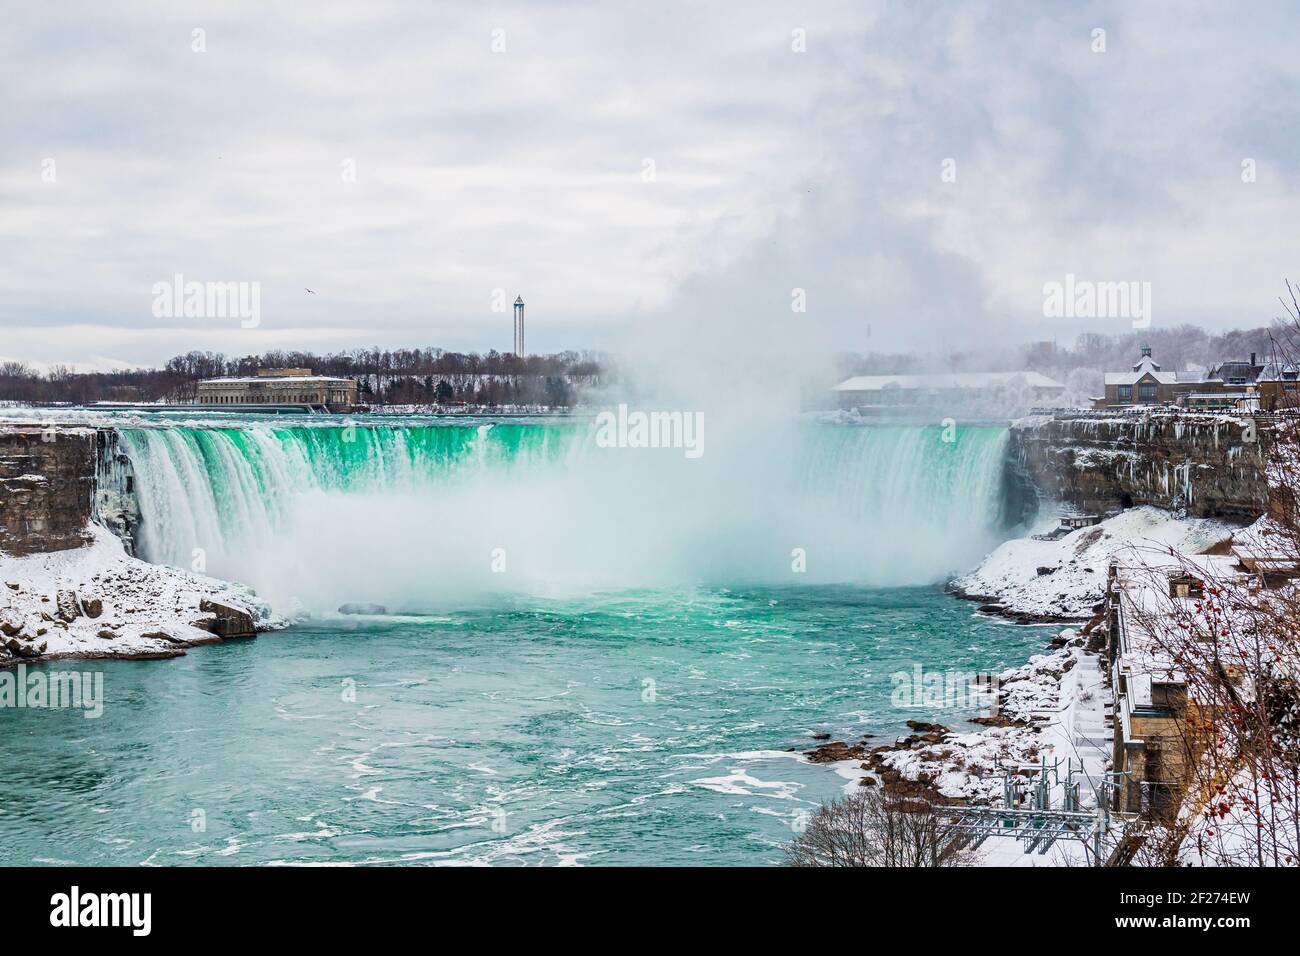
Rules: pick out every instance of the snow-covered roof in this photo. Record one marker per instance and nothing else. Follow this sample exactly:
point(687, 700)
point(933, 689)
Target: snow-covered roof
point(945, 380)
point(1277, 372)
point(1164, 378)
point(296, 379)
point(1145, 366)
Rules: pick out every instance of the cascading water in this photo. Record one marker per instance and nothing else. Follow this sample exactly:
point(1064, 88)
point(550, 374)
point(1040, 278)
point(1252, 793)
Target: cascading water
point(617, 660)
point(418, 516)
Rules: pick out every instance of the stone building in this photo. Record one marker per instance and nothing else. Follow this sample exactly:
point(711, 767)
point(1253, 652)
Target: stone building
point(1233, 385)
point(281, 387)
point(1278, 386)
point(1147, 384)
point(1153, 748)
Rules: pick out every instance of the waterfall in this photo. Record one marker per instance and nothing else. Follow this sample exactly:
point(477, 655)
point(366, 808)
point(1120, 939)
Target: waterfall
point(418, 516)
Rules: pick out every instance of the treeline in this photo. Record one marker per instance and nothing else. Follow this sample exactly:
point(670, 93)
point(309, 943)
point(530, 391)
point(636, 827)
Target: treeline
point(401, 376)
point(1176, 348)
point(383, 362)
point(20, 383)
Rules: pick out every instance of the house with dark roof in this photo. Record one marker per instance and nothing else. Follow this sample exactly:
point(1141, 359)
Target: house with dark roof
point(1278, 386)
point(1146, 383)
point(1235, 384)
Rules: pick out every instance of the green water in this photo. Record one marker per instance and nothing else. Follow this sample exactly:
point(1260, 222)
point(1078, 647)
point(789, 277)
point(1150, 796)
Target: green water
point(637, 727)
point(590, 654)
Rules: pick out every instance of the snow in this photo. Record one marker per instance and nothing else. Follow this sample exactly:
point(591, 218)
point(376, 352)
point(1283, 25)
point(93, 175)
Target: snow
point(1225, 829)
point(1060, 701)
point(944, 380)
point(968, 765)
point(138, 599)
point(1079, 560)
point(1064, 697)
point(1042, 696)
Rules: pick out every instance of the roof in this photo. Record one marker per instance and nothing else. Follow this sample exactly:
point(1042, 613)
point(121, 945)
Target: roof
point(1145, 366)
point(1164, 378)
point(1277, 372)
point(944, 380)
point(262, 380)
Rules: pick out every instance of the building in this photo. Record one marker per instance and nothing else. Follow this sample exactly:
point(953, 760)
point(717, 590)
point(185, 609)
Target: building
point(1147, 384)
point(281, 387)
point(897, 391)
point(1152, 748)
point(1163, 713)
point(1229, 386)
point(1276, 386)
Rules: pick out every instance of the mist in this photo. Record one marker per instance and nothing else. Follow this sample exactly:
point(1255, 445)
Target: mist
point(417, 517)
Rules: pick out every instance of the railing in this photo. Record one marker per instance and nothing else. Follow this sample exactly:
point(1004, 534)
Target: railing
point(1163, 410)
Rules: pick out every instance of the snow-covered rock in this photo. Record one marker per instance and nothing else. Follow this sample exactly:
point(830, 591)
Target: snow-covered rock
point(98, 601)
point(1063, 579)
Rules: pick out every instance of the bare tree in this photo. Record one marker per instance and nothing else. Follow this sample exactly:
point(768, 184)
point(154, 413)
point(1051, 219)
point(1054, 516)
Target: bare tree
point(873, 828)
point(1236, 646)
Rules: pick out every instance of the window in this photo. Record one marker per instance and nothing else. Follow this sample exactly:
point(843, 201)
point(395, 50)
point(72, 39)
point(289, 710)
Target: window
point(1126, 393)
point(1147, 392)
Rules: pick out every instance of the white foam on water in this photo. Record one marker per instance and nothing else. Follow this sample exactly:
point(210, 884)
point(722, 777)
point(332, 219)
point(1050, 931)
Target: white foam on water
point(418, 517)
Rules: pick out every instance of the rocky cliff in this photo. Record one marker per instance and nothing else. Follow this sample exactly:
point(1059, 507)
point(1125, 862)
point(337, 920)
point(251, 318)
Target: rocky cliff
point(1207, 465)
point(47, 483)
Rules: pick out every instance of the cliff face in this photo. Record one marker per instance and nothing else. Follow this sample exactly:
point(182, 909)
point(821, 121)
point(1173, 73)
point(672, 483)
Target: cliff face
point(47, 481)
point(1210, 465)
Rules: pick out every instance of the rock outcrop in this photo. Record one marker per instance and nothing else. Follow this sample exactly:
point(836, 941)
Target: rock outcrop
point(226, 621)
point(1206, 465)
point(47, 484)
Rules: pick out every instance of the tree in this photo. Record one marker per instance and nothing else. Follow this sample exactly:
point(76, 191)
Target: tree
point(1235, 652)
point(874, 828)
point(442, 392)
point(557, 391)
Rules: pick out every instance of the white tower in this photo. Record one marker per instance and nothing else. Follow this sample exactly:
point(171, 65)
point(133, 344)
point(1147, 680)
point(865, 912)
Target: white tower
point(519, 326)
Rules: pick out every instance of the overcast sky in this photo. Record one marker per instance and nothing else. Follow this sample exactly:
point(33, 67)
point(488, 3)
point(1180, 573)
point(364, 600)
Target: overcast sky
point(631, 167)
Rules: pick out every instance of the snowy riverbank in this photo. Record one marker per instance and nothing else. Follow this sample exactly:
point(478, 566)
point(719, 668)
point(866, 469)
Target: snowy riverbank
point(99, 602)
point(1055, 707)
point(1060, 581)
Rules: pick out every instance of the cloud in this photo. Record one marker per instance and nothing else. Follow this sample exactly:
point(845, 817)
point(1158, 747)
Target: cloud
point(529, 170)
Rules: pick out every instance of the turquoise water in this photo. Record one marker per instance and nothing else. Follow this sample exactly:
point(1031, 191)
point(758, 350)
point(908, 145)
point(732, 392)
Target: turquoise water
point(521, 732)
point(571, 673)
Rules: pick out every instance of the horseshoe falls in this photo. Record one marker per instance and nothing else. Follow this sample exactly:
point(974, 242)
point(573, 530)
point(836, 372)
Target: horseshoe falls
point(418, 517)
point(587, 655)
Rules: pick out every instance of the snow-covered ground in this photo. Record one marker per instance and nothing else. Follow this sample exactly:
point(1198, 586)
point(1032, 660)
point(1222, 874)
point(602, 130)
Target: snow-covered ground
point(1058, 703)
point(1063, 701)
point(1235, 825)
point(1061, 580)
point(1033, 698)
point(111, 605)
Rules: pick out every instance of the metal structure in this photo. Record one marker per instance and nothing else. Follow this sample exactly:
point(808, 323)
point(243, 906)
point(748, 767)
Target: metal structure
point(1039, 825)
point(519, 326)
